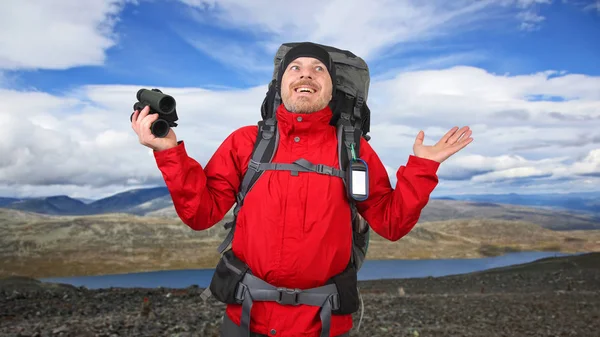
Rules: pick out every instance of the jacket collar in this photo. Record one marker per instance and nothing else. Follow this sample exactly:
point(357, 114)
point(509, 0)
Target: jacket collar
point(290, 122)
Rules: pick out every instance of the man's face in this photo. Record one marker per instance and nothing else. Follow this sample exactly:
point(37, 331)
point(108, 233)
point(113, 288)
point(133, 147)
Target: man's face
point(306, 86)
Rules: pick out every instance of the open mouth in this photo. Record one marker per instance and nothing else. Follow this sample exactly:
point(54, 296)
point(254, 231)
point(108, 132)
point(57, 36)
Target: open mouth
point(308, 90)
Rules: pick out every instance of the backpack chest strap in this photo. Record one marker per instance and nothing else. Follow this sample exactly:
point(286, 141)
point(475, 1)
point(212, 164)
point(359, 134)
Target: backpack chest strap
point(300, 165)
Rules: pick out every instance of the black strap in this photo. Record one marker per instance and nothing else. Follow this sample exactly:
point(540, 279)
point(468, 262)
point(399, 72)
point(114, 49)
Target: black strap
point(348, 139)
point(252, 288)
point(358, 106)
point(265, 145)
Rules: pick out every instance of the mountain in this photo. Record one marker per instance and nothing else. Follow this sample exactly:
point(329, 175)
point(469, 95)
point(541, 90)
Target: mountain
point(155, 206)
point(124, 201)
point(440, 210)
point(40, 245)
point(131, 201)
point(7, 201)
point(56, 205)
point(588, 202)
point(86, 200)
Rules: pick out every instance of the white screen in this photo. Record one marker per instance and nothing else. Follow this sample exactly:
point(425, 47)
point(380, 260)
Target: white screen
point(359, 182)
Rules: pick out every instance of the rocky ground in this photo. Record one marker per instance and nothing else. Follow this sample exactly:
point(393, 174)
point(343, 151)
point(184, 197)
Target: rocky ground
point(554, 297)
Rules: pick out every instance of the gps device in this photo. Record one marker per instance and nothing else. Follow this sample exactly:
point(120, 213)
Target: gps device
point(357, 176)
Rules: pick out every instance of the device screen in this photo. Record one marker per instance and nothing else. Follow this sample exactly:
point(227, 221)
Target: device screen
point(359, 182)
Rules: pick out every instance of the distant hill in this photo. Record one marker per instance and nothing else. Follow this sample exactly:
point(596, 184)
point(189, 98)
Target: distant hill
point(447, 209)
point(40, 245)
point(56, 205)
point(7, 201)
point(578, 201)
point(125, 202)
point(440, 210)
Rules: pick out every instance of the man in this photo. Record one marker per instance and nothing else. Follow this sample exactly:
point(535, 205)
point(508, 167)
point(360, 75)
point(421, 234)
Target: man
point(293, 229)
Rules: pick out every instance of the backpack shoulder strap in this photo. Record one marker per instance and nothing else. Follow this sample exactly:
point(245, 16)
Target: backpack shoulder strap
point(265, 147)
point(349, 138)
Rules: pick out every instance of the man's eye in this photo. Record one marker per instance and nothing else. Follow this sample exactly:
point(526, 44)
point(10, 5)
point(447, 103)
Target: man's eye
point(294, 68)
point(319, 68)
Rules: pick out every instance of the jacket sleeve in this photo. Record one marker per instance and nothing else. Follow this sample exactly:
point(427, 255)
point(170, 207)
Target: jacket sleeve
point(392, 213)
point(201, 196)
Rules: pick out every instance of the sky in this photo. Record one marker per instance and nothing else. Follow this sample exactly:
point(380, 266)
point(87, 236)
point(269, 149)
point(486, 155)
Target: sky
point(524, 75)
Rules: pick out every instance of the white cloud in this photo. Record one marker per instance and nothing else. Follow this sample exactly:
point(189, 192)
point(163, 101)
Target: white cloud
point(240, 55)
point(74, 142)
point(82, 141)
point(594, 5)
point(375, 29)
point(588, 166)
point(470, 95)
point(56, 34)
point(518, 174)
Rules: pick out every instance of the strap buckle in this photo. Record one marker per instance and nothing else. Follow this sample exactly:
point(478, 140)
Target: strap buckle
point(324, 169)
point(253, 164)
point(288, 296)
point(241, 291)
point(359, 101)
point(334, 299)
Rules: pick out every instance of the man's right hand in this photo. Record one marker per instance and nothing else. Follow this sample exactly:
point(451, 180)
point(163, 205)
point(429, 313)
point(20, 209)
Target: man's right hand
point(140, 123)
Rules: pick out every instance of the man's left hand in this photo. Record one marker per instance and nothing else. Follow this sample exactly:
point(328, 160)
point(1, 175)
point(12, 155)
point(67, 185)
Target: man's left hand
point(453, 141)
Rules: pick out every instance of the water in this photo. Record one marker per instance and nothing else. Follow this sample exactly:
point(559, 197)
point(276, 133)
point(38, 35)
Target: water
point(371, 270)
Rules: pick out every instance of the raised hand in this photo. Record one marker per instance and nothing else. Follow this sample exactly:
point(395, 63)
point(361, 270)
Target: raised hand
point(140, 123)
point(452, 142)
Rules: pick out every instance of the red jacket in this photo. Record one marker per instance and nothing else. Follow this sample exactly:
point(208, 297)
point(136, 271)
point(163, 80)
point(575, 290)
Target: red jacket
point(293, 231)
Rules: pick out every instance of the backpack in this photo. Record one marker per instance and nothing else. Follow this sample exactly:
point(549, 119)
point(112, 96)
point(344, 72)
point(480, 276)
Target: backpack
point(351, 115)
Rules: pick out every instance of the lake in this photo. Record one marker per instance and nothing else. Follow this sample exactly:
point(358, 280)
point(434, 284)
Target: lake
point(371, 270)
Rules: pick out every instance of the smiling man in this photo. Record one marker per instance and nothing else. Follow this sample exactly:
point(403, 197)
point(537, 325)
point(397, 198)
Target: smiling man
point(306, 85)
point(288, 272)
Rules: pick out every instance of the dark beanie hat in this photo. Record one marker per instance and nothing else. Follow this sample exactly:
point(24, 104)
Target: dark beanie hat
point(308, 49)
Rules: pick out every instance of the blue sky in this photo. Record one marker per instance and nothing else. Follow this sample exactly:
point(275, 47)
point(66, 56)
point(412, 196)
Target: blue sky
point(152, 48)
point(523, 73)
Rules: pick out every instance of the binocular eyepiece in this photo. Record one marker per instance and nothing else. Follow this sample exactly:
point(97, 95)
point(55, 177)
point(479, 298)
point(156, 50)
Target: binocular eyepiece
point(161, 104)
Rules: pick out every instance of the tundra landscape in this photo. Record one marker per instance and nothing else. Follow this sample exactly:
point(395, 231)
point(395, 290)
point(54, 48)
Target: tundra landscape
point(138, 230)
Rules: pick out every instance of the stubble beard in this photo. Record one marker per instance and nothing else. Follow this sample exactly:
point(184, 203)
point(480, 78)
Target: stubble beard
point(303, 105)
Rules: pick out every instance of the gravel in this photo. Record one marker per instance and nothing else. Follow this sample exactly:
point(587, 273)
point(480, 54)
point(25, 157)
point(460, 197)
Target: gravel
point(559, 299)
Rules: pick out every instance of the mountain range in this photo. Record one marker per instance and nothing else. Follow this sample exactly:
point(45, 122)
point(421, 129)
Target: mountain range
point(157, 201)
point(575, 211)
point(135, 201)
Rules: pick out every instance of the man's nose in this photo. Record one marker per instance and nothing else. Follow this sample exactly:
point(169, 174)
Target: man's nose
point(306, 73)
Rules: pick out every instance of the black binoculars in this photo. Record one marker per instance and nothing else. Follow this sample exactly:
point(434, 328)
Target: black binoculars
point(161, 104)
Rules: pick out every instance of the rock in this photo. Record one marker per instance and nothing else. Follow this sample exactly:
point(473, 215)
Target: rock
point(62, 328)
point(401, 292)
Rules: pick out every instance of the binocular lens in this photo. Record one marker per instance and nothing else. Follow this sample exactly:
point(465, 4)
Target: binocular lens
point(167, 104)
point(160, 128)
